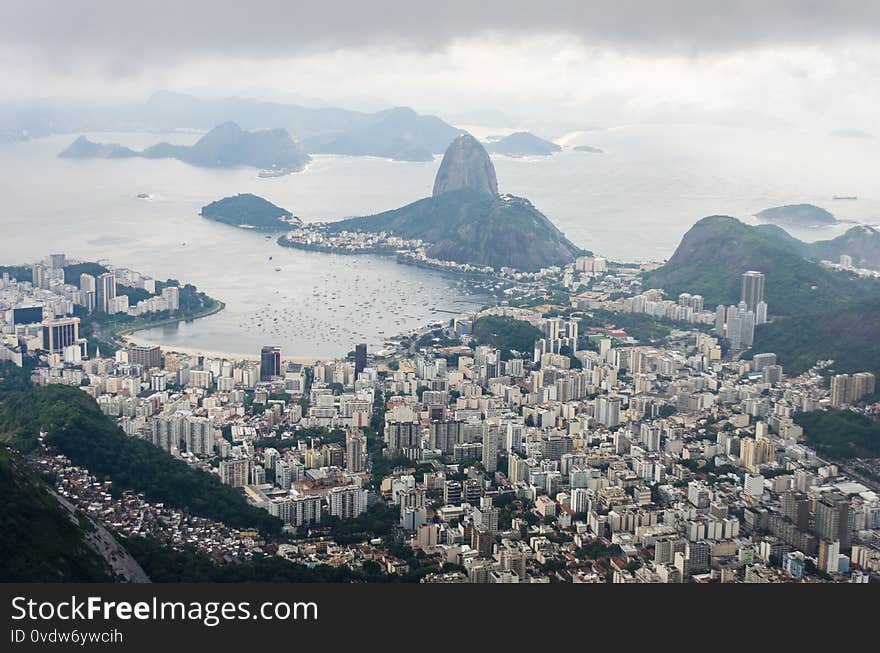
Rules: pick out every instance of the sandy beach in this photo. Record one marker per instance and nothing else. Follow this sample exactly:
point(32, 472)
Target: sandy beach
point(195, 351)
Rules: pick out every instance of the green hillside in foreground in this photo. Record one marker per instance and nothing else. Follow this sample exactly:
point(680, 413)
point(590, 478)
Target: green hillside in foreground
point(76, 426)
point(39, 540)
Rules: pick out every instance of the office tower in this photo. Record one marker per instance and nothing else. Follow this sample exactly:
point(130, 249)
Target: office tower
point(27, 315)
point(832, 519)
point(360, 359)
point(355, 450)
point(347, 502)
point(60, 333)
point(105, 292)
point(752, 289)
point(270, 363)
point(147, 356)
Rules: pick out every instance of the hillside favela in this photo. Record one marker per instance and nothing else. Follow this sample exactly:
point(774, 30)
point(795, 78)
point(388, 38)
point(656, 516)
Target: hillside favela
point(378, 314)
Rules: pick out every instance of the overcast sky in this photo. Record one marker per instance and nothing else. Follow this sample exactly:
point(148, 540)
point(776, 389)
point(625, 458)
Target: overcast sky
point(808, 63)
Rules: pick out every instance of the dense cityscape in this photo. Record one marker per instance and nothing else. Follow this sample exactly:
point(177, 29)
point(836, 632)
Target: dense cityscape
point(583, 429)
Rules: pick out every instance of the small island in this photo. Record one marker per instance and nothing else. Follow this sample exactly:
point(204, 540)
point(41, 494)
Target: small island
point(523, 144)
point(797, 215)
point(588, 148)
point(249, 211)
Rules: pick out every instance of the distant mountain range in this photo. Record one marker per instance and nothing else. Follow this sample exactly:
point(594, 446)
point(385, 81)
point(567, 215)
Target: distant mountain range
point(523, 144)
point(225, 145)
point(467, 221)
point(819, 313)
point(396, 133)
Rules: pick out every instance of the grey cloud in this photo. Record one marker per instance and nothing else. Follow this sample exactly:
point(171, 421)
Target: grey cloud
point(144, 33)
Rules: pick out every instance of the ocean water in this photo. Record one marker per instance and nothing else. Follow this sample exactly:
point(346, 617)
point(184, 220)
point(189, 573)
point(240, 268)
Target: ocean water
point(632, 203)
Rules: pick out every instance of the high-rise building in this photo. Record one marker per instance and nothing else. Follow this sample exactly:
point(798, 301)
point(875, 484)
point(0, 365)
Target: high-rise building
point(57, 261)
point(40, 276)
point(360, 359)
point(761, 313)
point(752, 289)
point(846, 389)
point(147, 356)
point(860, 384)
point(347, 502)
point(832, 519)
point(270, 363)
point(60, 333)
point(105, 292)
point(235, 472)
point(490, 448)
point(355, 450)
point(839, 387)
point(171, 295)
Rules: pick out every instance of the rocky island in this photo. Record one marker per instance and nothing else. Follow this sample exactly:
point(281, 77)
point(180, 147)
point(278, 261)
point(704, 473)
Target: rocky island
point(523, 144)
point(249, 211)
point(797, 215)
point(226, 145)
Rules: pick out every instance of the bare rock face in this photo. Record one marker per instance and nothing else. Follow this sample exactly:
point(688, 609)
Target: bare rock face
point(466, 165)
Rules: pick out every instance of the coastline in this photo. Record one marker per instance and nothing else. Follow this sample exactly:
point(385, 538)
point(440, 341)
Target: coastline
point(129, 336)
point(198, 351)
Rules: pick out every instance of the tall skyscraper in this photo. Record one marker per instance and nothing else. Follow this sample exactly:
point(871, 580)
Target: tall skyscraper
point(832, 519)
point(40, 276)
point(105, 292)
point(360, 359)
point(355, 450)
point(752, 287)
point(270, 363)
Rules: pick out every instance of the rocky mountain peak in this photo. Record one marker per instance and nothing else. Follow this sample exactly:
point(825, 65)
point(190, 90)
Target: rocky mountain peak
point(466, 165)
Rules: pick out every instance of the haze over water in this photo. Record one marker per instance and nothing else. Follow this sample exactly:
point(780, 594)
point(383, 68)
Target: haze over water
point(632, 203)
